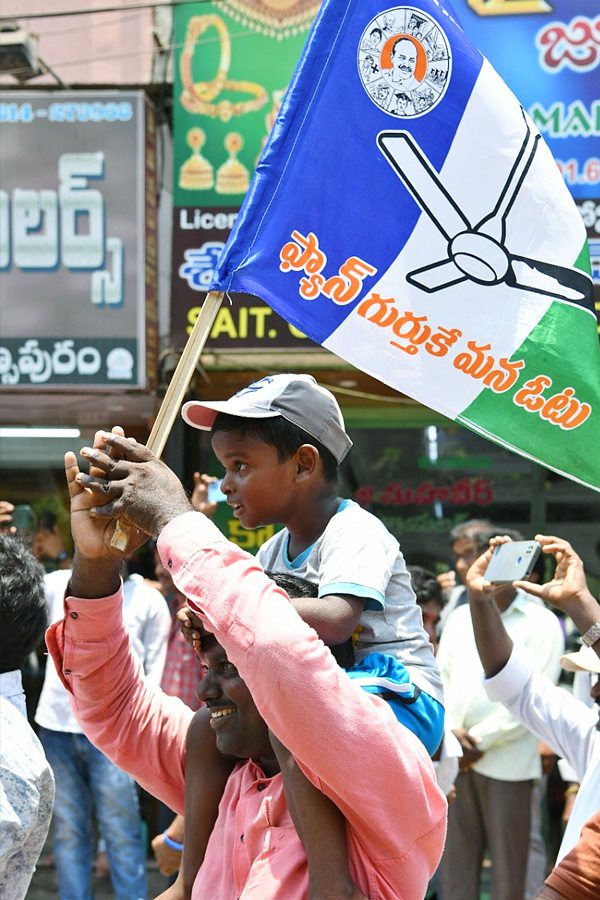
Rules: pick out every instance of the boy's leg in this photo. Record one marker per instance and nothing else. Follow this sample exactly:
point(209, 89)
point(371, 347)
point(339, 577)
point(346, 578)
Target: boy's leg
point(379, 673)
point(322, 830)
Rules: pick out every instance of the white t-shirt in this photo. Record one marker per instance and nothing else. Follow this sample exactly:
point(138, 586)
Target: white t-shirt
point(148, 620)
point(357, 555)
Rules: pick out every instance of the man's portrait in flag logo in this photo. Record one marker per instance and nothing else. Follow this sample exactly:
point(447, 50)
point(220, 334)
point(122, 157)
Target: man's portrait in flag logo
point(404, 62)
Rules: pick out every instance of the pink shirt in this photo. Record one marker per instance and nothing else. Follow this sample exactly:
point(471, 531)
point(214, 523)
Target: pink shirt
point(347, 742)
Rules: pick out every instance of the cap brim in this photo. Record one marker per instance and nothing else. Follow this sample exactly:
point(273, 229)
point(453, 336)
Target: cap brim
point(584, 660)
point(202, 415)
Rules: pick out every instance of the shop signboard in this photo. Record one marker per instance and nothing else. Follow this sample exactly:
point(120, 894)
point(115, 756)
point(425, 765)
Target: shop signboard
point(548, 53)
point(244, 322)
point(233, 63)
point(77, 240)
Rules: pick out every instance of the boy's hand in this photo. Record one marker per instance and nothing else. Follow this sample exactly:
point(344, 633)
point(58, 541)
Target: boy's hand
point(191, 628)
point(133, 483)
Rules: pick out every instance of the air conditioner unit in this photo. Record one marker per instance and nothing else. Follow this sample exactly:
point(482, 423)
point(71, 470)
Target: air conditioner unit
point(18, 52)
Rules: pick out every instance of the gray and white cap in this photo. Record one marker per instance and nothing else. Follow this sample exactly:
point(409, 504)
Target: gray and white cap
point(297, 398)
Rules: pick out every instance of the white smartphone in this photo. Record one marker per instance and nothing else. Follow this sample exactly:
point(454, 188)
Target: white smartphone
point(512, 562)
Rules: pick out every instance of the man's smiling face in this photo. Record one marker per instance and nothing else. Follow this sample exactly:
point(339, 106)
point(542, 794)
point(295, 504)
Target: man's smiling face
point(239, 728)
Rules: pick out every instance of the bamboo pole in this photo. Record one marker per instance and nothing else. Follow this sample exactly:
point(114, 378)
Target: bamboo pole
point(175, 393)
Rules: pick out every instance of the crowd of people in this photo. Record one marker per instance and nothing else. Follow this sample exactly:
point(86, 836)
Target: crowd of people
point(321, 722)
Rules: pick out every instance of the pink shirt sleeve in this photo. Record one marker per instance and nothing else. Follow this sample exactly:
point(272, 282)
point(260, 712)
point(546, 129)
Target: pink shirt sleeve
point(142, 730)
point(348, 742)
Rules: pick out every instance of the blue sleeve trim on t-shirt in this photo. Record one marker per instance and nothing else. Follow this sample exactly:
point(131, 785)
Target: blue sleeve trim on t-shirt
point(374, 599)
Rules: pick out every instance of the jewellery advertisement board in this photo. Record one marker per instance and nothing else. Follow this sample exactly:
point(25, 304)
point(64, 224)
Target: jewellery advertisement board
point(77, 240)
point(232, 67)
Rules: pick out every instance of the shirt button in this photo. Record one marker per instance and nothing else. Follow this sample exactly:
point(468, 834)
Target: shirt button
point(74, 615)
point(170, 563)
point(242, 838)
point(260, 787)
point(67, 672)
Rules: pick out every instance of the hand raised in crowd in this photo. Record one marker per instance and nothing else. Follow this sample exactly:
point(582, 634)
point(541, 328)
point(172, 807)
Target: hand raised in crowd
point(478, 587)
point(133, 484)
point(92, 534)
point(568, 587)
point(200, 499)
point(6, 510)
point(447, 581)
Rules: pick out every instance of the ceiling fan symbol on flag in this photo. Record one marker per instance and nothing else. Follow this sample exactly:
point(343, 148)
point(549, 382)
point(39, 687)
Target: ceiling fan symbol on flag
point(477, 252)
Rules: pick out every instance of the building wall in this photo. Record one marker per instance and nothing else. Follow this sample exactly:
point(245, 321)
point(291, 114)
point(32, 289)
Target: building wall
point(103, 48)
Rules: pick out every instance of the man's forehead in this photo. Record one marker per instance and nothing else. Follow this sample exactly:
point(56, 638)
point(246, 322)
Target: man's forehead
point(210, 650)
point(465, 544)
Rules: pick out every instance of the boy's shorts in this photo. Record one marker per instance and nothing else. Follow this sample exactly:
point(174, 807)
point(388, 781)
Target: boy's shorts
point(385, 675)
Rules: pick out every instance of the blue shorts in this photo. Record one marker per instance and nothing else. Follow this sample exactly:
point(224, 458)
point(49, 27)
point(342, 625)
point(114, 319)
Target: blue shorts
point(380, 674)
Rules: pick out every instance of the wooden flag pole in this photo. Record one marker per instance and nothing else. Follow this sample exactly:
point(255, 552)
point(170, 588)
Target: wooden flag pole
point(175, 393)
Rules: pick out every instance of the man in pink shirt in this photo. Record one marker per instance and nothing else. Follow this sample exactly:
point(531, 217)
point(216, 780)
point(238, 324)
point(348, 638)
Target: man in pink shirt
point(272, 671)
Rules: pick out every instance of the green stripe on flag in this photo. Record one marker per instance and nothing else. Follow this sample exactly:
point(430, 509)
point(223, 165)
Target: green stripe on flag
point(583, 261)
point(564, 346)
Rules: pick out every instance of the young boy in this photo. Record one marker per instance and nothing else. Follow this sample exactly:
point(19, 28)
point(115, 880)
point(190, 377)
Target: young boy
point(280, 442)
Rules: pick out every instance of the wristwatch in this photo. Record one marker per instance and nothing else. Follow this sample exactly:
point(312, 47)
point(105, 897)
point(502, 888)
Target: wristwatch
point(64, 554)
point(592, 635)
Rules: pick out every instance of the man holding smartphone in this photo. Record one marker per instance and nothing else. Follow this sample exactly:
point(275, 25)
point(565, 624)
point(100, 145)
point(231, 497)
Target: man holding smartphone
point(500, 762)
point(569, 726)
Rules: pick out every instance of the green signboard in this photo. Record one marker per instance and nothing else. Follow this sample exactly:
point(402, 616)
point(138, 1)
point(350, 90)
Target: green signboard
point(234, 62)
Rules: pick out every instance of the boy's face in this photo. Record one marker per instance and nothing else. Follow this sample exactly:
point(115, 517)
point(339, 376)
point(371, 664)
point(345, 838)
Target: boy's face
point(259, 488)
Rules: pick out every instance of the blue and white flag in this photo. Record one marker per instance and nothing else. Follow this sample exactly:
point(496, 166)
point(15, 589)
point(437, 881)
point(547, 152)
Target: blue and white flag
point(407, 215)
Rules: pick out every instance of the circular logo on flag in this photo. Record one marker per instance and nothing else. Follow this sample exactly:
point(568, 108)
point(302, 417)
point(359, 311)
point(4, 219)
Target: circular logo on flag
point(404, 62)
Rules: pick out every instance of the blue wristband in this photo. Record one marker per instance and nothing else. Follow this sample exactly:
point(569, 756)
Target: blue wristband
point(171, 843)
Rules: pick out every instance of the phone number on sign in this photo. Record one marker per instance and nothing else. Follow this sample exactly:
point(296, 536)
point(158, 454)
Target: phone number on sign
point(576, 172)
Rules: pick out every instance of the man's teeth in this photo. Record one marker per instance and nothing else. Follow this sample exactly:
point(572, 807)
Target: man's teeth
point(219, 713)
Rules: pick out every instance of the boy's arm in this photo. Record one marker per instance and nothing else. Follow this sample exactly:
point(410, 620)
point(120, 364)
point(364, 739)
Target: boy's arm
point(206, 774)
point(333, 617)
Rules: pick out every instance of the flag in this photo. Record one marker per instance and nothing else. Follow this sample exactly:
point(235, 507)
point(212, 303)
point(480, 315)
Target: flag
point(407, 215)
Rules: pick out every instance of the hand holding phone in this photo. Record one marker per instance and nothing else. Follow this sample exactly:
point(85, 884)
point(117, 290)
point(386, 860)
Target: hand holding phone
point(513, 561)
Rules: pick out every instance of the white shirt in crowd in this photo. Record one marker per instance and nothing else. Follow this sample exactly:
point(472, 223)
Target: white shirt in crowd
point(510, 750)
point(567, 725)
point(26, 791)
point(148, 621)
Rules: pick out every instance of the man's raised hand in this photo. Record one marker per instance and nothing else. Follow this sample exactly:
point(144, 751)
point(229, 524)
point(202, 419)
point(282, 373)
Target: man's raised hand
point(92, 535)
point(128, 481)
point(568, 586)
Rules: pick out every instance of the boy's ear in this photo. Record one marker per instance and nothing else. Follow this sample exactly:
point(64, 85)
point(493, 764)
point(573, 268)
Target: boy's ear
point(308, 462)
